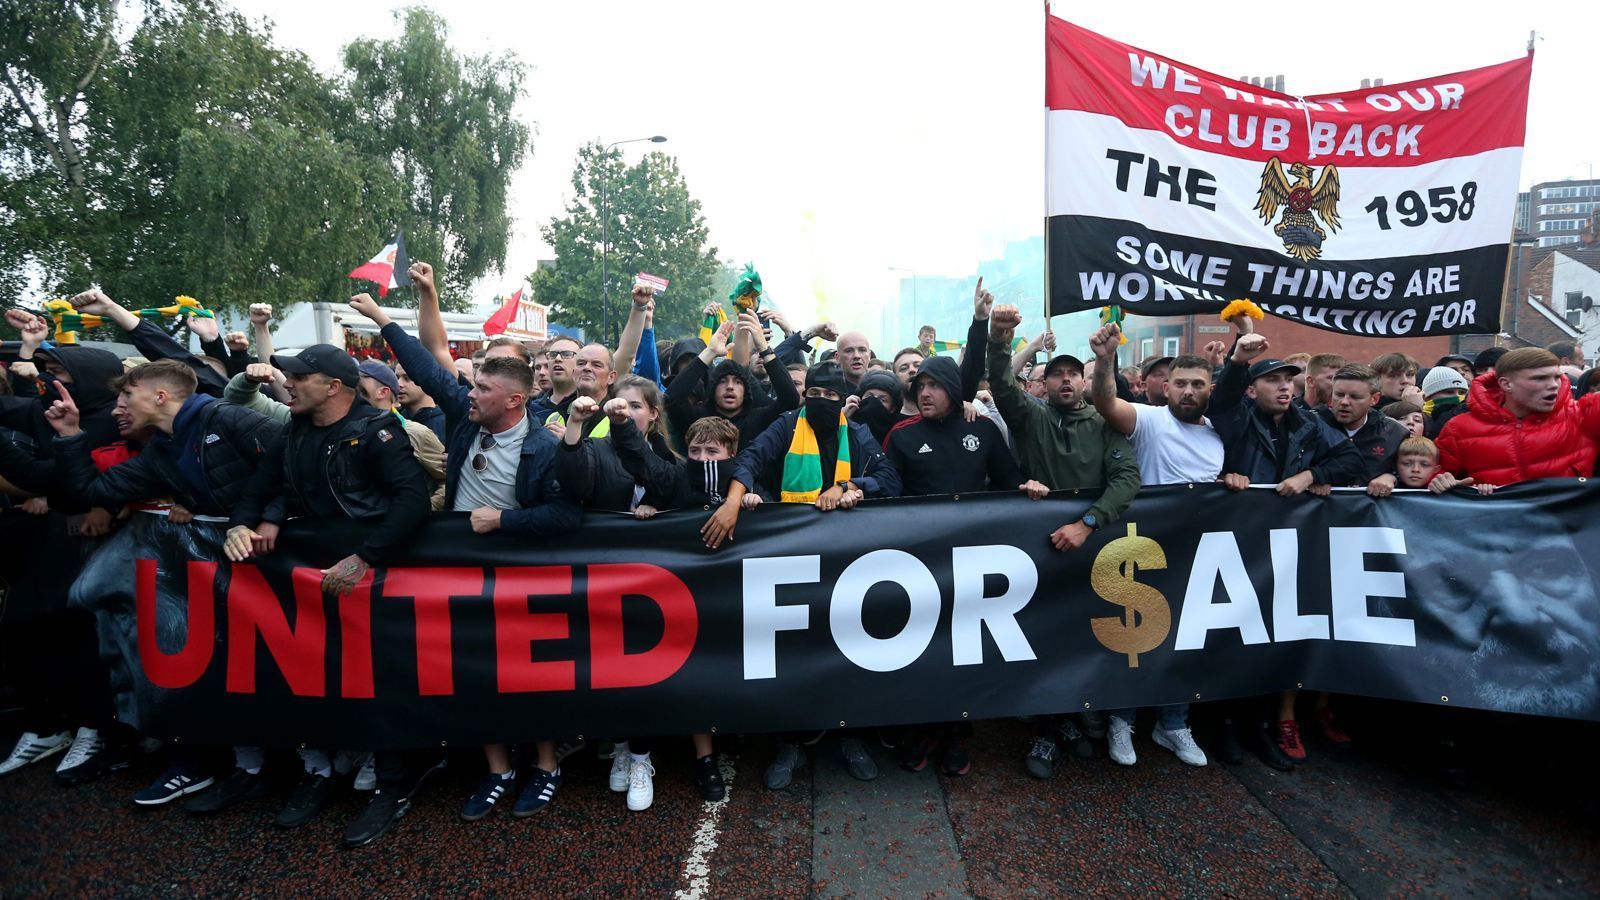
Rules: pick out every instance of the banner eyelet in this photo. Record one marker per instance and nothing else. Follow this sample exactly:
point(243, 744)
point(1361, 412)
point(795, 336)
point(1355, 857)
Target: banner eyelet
point(1086, 704)
point(1444, 698)
point(841, 723)
point(1299, 685)
point(963, 714)
point(713, 730)
point(444, 743)
point(1197, 696)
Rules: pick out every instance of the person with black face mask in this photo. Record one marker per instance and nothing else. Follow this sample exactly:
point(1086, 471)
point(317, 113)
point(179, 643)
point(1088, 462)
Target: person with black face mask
point(812, 455)
point(881, 407)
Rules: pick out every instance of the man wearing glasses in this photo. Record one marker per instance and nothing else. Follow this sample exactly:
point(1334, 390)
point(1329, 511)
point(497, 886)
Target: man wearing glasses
point(560, 357)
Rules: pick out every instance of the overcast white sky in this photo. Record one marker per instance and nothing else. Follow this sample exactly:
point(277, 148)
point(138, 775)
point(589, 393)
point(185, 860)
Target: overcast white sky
point(830, 140)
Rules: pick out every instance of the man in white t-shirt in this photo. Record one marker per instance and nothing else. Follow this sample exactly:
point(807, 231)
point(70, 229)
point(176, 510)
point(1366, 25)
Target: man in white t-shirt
point(1173, 444)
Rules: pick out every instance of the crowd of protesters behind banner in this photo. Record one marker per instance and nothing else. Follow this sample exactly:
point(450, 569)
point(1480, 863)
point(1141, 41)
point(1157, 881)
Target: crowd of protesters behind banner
point(528, 442)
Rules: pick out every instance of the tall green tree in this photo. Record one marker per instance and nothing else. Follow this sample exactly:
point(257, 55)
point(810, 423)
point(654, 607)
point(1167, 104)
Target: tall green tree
point(447, 124)
point(185, 153)
point(655, 226)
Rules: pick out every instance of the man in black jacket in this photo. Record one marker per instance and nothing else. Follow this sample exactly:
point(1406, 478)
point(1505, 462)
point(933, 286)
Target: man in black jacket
point(1266, 440)
point(340, 458)
point(1376, 436)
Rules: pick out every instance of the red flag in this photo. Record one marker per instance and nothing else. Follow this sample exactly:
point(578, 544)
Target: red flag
point(497, 323)
point(388, 268)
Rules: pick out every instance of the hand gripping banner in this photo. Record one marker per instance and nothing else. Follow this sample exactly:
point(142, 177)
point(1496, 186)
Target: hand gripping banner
point(1170, 191)
point(900, 611)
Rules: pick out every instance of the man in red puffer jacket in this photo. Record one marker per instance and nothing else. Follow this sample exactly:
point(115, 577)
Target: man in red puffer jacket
point(1521, 423)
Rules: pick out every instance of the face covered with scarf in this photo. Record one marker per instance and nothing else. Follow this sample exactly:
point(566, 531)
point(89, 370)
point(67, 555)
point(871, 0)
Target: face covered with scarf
point(819, 453)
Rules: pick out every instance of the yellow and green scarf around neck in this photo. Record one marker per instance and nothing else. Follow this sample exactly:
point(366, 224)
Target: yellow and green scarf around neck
point(802, 467)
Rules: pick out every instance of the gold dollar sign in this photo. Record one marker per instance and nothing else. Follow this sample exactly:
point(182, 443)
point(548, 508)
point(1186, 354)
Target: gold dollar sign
point(1146, 618)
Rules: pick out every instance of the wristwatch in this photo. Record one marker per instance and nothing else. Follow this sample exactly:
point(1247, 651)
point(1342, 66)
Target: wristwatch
point(1091, 521)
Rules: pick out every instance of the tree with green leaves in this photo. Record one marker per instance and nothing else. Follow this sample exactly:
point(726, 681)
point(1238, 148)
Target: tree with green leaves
point(448, 125)
point(655, 226)
point(185, 153)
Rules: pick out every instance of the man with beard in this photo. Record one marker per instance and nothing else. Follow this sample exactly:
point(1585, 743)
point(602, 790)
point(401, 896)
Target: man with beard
point(1064, 444)
point(1175, 444)
point(732, 393)
point(1376, 436)
point(1521, 423)
point(1320, 370)
point(340, 458)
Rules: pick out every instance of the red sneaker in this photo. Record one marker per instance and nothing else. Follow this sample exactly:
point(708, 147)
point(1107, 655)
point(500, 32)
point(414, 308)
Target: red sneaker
point(1289, 740)
point(1330, 727)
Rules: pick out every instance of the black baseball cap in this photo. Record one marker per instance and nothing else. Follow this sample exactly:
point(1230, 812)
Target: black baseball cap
point(1268, 366)
point(1065, 359)
point(1149, 364)
point(320, 359)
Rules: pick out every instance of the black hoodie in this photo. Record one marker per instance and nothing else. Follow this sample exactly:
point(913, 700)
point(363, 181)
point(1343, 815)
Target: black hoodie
point(92, 371)
point(684, 406)
point(950, 455)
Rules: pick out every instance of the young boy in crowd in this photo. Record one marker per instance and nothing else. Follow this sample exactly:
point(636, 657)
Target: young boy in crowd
point(1417, 462)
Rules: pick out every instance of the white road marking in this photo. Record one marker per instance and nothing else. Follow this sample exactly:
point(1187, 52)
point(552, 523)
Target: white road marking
point(696, 877)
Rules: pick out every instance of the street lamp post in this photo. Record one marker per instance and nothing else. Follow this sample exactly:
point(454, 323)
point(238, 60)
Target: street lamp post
point(914, 313)
point(605, 232)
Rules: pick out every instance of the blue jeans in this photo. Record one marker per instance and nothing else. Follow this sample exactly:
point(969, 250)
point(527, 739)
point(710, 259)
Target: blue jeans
point(1173, 718)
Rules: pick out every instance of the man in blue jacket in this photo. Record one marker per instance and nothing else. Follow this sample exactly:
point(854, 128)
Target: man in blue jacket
point(500, 468)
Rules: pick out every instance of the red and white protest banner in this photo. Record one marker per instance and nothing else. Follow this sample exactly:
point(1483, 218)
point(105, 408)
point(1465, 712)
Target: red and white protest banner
point(1382, 211)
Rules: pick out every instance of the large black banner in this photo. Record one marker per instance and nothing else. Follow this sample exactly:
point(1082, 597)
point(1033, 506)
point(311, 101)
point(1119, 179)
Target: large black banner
point(902, 611)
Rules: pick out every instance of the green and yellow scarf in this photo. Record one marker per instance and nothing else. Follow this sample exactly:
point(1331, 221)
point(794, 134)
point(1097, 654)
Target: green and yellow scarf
point(802, 467)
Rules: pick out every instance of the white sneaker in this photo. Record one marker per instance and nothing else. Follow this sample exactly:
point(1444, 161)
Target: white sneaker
point(33, 747)
point(1119, 740)
point(1181, 743)
point(367, 776)
point(84, 746)
point(620, 770)
point(641, 786)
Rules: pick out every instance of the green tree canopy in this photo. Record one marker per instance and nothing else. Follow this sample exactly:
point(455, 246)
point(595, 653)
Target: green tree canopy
point(193, 156)
point(655, 226)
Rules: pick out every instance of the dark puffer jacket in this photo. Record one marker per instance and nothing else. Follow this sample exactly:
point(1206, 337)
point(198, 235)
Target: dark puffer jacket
point(1492, 446)
point(227, 441)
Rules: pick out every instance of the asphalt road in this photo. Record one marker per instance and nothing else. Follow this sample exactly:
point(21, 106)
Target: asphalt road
point(1372, 820)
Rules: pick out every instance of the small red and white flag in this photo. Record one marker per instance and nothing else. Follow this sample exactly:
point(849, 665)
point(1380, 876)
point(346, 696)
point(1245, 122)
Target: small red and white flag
point(504, 316)
point(387, 269)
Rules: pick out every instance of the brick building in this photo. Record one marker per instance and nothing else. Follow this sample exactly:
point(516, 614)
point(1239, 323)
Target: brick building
point(1168, 336)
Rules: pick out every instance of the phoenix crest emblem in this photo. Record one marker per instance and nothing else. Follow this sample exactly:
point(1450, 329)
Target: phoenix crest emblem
point(1303, 203)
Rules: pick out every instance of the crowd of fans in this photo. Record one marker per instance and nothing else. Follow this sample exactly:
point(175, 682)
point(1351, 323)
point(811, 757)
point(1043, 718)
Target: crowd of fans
point(528, 442)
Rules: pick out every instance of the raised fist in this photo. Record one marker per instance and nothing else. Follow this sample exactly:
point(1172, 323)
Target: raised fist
point(582, 410)
point(1249, 347)
point(260, 313)
point(260, 373)
point(616, 408)
point(1003, 322)
point(236, 340)
point(1105, 342)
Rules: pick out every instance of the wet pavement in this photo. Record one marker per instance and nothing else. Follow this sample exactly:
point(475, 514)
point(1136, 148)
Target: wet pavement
point(1372, 820)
